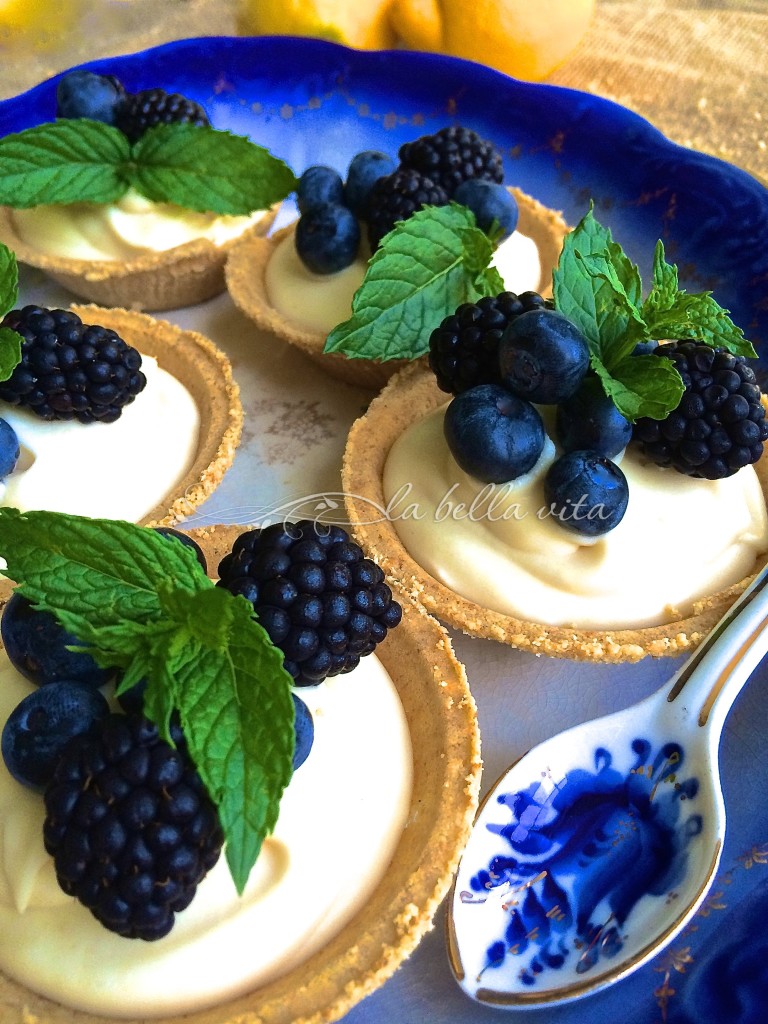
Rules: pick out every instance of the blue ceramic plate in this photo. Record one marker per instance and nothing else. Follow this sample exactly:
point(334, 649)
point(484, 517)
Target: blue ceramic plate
point(315, 102)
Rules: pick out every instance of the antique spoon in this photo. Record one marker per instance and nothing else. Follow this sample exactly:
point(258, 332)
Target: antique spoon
point(592, 851)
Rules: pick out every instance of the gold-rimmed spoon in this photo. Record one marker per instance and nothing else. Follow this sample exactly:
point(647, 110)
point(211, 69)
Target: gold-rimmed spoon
point(592, 852)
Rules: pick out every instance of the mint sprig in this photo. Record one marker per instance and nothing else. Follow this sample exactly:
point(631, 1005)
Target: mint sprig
point(424, 268)
point(141, 602)
point(598, 288)
point(193, 166)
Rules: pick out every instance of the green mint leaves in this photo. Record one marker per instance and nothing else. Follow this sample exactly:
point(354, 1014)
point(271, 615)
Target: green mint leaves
point(10, 341)
point(423, 269)
point(599, 289)
point(142, 602)
point(192, 166)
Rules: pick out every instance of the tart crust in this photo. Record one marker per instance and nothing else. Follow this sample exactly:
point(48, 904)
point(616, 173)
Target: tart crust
point(207, 374)
point(246, 283)
point(442, 721)
point(412, 395)
point(177, 277)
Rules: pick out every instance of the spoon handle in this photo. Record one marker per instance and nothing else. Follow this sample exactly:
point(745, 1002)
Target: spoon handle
point(712, 678)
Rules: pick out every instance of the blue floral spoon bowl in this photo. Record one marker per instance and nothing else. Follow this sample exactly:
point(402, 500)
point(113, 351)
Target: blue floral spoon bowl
point(593, 851)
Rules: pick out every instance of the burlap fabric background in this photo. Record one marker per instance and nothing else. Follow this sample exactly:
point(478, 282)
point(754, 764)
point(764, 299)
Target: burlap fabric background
point(696, 68)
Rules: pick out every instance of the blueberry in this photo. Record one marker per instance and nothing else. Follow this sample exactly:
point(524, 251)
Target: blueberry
point(42, 724)
point(327, 238)
point(9, 449)
point(493, 435)
point(187, 541)
point(37, 646)
point(589, 420)
point(543, 356)
point(318, 186)
point(365, 169)
point(85, 94)
point(586, 492)
point(644, 348)
point(490, 203)
point(305, 732)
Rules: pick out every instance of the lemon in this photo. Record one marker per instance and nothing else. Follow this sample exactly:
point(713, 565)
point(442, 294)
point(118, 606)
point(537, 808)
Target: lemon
point(39, 24)
point(418, 23)
point(360, 23)
point(522, 38)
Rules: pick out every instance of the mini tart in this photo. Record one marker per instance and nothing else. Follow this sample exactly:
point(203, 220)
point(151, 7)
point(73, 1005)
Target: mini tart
point(207, 374)
point(245, 277)
point(442, 721)
point(409, 397)
point(177, 277)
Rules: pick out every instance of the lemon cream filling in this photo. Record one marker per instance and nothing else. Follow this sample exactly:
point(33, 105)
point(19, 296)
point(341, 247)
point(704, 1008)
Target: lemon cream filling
point(318, 302)
point(117, 470)
point(340, 820)
point(500, 546)
point(130, 227)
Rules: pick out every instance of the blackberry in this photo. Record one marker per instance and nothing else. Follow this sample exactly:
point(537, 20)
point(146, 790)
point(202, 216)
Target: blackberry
point(719, 424)
point(320, 600)
point(70, 370)
point(130, 826)
point(464, 349)
point(150, 107)
point(451, 156)
point(395, 197)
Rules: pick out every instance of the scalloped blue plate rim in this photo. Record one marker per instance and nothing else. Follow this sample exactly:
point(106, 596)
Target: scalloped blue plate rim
point(722, 250)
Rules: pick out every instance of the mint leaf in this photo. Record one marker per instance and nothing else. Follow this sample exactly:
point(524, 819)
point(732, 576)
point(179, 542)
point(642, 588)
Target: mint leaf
point(203, 169)
point(193, 166)
point(599, 289)
point(616, 324)
point(95, 572)
point(641, 385)
point(575, 296)
point(665, 287)
point(10, 341)
point(141, 602)
point(672, 313)
point(65, 162)
point(10, 352)
point(715, 327)
point(239, 725)
point(426, 267)
point(9, 280)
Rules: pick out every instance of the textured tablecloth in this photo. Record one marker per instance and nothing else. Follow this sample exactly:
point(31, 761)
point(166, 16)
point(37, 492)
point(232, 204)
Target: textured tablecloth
point(695, 68)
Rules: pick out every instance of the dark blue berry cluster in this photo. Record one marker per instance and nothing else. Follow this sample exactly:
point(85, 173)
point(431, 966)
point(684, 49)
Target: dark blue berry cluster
point(454, 163)
point(502, 358)
point(719, 425)
point(70, 370)
point(330, 208)
point(104, 98)
point(320, 600)
point(130, 826)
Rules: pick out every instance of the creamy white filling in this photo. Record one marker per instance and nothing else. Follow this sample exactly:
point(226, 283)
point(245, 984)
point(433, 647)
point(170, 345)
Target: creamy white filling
point(318, 302)
point(681, 539)
point(130, 227)
point(340, 821)
point(117, 470)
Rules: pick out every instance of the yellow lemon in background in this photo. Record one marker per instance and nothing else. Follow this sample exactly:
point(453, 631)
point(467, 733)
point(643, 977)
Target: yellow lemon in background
point(361, 23)
point(36, 24)
point(523, 38)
